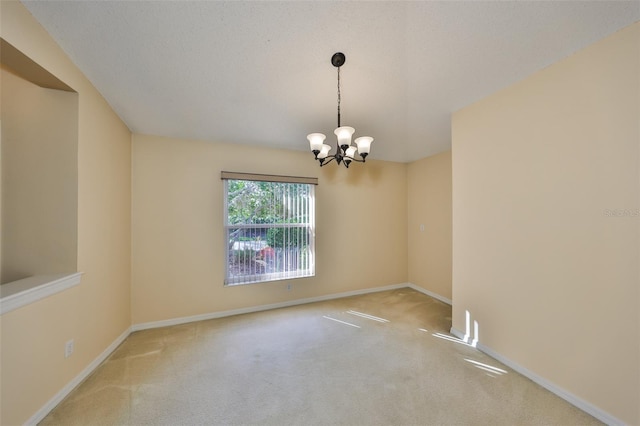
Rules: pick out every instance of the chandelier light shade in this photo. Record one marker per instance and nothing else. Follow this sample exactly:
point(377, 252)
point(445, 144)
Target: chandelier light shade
point(345, 152)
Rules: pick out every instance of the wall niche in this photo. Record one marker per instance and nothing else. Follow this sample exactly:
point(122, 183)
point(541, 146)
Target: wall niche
point(38, 170)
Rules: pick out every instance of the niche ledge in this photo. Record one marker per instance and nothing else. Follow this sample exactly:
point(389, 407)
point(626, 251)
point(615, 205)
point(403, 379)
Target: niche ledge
point(22, 292)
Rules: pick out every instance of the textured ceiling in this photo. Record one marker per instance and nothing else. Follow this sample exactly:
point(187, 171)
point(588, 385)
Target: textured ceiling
point(260, 73)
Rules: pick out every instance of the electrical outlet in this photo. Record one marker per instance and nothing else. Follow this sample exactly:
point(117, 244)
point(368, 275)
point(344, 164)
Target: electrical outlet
point(68, 348)
point(289, 287)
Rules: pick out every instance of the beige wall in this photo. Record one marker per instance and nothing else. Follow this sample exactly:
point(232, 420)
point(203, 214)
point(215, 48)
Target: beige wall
point(178, 239)
point(538, 261)
point(96, 312)
point(551, 279)
point(429, 223)
point(40, 179)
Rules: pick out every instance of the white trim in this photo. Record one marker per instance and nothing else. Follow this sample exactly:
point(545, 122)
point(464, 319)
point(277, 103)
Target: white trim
point(62, 393)
point(430, 293)
point(585, 406)
point(19, 293)
point(221, 314)
point(459, 334)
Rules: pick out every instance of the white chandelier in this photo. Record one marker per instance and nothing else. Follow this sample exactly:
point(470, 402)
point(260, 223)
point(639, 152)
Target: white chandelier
point(345, 151)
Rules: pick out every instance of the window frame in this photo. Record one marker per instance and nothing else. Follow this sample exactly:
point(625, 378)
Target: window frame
point(309, 226)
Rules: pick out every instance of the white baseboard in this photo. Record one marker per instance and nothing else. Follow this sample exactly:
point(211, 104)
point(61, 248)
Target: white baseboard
point(585, 406)
point(459, 334)
point(567, 396)
point(430, 293)
point(58, 397)
point(221, 314)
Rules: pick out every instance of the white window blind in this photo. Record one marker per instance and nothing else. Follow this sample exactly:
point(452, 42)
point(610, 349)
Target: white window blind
point(270, 227)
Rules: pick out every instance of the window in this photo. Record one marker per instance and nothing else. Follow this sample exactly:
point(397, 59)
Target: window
point(270, 227)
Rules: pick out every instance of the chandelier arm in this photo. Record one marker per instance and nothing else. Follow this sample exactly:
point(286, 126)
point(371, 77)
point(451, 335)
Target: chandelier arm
point(330, 157)
point(354, 159)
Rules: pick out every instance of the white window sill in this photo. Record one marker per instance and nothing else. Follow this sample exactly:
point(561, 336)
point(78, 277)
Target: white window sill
point(19, 293)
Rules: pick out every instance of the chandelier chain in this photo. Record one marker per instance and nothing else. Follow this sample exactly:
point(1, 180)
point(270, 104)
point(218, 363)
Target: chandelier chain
point(338, 96)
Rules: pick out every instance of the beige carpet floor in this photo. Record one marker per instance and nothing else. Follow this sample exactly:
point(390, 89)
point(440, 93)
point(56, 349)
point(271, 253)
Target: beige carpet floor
point(385, 358)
